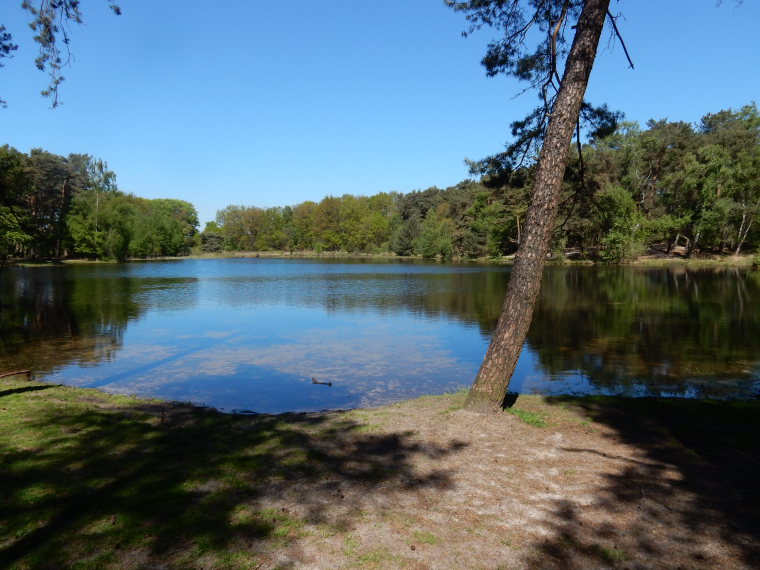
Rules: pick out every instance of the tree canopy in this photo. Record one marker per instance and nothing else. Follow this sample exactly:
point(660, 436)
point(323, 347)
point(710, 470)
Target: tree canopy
point(664, 187)
point(55, 206)
point(653, 189)
point(50, 20)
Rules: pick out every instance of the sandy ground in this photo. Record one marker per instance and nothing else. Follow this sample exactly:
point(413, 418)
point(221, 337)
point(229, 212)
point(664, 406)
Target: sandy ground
point(126, 484)
point(495, 492)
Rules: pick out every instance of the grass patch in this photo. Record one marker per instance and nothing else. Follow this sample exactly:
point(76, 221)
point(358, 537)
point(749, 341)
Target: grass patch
point(536, 419)
point(350, 545)
point(611, 554)
point(374, 558)
point(92, 480)
point(424, 537)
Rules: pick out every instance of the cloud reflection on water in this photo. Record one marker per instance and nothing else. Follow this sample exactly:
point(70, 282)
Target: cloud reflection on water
point(369, 365)
point(251, 333)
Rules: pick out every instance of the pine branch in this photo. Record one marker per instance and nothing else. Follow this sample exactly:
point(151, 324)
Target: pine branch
point(620, 37)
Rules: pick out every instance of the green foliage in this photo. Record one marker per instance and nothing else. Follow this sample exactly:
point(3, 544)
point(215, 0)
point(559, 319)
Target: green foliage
point(625, 239)
point(101, 224)
point(620, 246)
point(54, 206)
point(558, 247)
point(14, 235)
point(660, 188)
point(212, 239)
point(531, 46)
point(405, 238)
point(435, 235)
point(492, 224)
point(51, 21)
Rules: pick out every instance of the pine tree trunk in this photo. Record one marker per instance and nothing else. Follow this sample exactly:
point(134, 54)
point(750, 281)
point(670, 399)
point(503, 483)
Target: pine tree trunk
point(490, 387)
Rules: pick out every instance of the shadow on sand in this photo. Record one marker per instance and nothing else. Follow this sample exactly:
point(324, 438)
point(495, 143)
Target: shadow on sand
point(694, 487)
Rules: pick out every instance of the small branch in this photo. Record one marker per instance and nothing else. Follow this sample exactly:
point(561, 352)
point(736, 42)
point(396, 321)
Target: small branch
point(582, 172)
point(580, 152)
point(28, 374)
point(553, 43)
point(620, 37)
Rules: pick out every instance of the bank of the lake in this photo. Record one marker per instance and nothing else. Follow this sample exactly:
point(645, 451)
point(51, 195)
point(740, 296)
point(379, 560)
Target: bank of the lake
point(656, 260)
point(92, 480)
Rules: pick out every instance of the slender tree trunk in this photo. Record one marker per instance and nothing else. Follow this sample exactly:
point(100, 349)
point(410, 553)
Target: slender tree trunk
point(518, 229)
point(491, 384)
point(745, 227)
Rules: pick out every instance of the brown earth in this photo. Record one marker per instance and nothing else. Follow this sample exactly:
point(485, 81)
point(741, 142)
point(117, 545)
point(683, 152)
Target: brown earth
point(617, 491)
point(96, 481)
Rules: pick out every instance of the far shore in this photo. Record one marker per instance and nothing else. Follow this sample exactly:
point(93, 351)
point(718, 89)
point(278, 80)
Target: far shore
point(744, 260)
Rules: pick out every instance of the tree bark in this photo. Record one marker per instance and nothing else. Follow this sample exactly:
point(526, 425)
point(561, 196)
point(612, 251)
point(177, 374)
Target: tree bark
point(492, 382)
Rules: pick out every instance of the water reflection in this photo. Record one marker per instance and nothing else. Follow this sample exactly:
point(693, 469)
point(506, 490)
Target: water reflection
point(251, 333)
point(644, 331)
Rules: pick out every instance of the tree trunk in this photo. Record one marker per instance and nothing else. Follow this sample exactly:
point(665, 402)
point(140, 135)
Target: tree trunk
point(744, 228)
point(490, 387)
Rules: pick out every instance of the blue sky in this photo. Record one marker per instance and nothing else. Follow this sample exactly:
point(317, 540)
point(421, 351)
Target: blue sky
point(273, 103)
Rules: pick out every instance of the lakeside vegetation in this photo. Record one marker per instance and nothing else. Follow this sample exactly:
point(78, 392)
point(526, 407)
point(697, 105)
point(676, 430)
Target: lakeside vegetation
point(671, 186)
point(668, 188)
point(70, 206)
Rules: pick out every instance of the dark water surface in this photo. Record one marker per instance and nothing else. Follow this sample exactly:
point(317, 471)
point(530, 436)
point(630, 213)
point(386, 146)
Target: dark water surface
point(249, 334)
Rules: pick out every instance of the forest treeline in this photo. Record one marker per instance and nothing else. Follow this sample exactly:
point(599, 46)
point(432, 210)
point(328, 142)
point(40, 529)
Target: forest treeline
point(671, 185)
point(53, 206)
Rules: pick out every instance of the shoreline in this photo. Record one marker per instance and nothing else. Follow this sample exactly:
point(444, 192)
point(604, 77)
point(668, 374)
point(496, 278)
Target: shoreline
point(104, 481)
point(743, 261)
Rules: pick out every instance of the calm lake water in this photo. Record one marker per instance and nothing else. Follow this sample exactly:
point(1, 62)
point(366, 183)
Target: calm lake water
point(249, 334)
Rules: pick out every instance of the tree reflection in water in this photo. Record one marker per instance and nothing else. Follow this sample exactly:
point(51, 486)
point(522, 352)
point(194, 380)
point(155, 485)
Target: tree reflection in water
point(628, 330)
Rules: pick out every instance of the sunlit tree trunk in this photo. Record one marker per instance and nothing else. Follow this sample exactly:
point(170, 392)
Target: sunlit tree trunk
point(745, 226)
point(492, 382)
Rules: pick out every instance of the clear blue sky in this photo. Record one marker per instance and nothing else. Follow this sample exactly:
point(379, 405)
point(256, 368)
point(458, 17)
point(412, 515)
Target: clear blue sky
point(273, 103)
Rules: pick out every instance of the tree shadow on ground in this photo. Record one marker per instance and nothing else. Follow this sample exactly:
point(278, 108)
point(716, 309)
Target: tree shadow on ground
point(691, 491)
point(35, 388)
point(151, 485)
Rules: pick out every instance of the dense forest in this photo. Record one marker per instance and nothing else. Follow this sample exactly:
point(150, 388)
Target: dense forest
point(53, 206)
point(669, 187)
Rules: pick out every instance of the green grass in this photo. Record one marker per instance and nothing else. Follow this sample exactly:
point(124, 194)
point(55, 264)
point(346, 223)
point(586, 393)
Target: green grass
point(611, 554)
point(374, 558)
point(424, 537)
point(535, 419)
point(350, 545)
point(92, 480)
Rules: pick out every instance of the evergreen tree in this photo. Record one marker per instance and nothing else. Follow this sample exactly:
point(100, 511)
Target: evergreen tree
point(554, 125)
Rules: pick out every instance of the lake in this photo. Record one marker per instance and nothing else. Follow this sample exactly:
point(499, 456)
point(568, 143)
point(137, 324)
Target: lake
point(249, 334)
